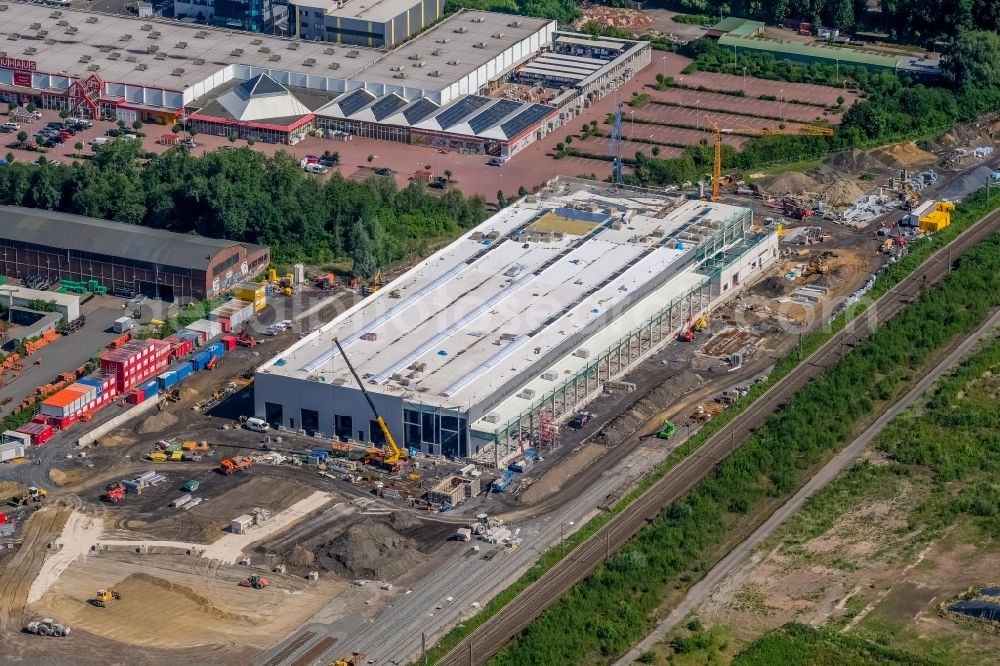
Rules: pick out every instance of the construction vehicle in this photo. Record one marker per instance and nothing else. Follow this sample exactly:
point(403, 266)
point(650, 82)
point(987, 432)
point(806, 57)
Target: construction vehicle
point(912, 197)
point(667, 430)
point(374, 285)
point(816, 130)
point(356, 659)
point(391, 459)
point(255, 581)
point(794, 209)
point(245, 337)
point(47, 627)
point(699, 323)
point(33, 495)
point(114, 493)
point(687, 335)
point(104, 596)
point(237, 464)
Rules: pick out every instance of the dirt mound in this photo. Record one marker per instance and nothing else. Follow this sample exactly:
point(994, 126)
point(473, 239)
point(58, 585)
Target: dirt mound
point(11, 489)
point(140, 581)
point(156, 423)
point(855, 161)
point(842, 192)
point(790, 183)
point(300, 556)
point(773, 287)
point(369, 550)
point(905, 154)
point(843, 272)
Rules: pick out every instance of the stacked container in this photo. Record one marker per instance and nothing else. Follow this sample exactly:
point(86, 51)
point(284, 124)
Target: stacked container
point(39, 432)
point(167, 379)
point(149, 389)
point(211, 329)
point(236, 312)
point(229, 342)
point(181, 346)
point(254, 292)
point(183, 370)
point(196, 339)
point(135, 362)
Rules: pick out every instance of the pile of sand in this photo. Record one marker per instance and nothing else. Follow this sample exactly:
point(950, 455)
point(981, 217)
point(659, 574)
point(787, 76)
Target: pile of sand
point(156, 423)
point(904, 155)
point(369, 550)
point(842, 192)
point(11, 489)
point(855, 161)
point(773, 287)
point(792, 182)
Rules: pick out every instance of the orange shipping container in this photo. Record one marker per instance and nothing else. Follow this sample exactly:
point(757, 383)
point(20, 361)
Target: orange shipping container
point(64, 398)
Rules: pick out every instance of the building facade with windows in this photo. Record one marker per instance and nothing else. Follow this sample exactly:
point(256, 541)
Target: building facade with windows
point(373, 23)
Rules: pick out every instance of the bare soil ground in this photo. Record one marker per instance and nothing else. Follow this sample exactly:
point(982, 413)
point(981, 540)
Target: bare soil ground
point(176, 601)
point(41, 528)
point(554, 479)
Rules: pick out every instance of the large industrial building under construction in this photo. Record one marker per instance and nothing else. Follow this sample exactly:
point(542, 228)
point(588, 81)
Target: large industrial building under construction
point(517, 324)
point(476, 82)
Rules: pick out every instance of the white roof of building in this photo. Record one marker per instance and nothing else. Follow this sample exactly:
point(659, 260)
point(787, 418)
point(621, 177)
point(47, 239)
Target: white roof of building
point(479, 314)
point(261, 98)
point(366, 10)
point(174, 55)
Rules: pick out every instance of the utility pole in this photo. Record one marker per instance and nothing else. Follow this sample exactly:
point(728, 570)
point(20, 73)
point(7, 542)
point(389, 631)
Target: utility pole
point(423, 646)
point(471, 663)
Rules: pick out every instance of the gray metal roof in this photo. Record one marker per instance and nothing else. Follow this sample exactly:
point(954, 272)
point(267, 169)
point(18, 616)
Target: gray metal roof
point(86, 234)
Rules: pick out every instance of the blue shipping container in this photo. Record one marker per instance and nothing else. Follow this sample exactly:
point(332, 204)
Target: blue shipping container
point(200, 361)
point(183, 370)
point(216, 348)
point(92, 382)
point(167, 379)
point(150, 388)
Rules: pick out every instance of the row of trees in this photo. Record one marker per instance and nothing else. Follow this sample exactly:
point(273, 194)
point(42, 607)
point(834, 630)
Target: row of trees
point(245, 195)
point(611, 609)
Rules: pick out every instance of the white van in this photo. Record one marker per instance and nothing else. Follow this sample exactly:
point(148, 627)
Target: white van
point(315, 168)
point(258, 425)
point(100, 140)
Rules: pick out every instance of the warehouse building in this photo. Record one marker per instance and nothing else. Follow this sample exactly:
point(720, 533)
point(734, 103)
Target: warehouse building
point(125, 258)
point(375, 23)
point(476, 82)
point(496, 337)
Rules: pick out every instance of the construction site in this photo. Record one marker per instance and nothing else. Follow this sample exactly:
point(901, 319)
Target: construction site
point(349, 453)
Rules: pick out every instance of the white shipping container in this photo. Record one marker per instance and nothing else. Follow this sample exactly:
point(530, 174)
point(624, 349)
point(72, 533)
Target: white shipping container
point(211, 329)
point(180, 501)
point(11, 450)
point(123, 324)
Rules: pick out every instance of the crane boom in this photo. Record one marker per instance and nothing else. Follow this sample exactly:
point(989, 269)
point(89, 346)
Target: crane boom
point(395, 453)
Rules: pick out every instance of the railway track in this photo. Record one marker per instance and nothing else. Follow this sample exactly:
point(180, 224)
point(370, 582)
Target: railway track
point(492, 635)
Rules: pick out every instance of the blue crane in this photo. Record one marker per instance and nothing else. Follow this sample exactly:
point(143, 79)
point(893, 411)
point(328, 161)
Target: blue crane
point(615, 144)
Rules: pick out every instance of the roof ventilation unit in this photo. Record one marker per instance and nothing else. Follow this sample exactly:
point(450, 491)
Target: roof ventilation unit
point(293, 46)
point(93, 68)
point(55, 14)
point(91, 19)
point(199, 61)
point(419, 64)
point(399, 75)
point(152, 48)
point(514, 24)
point(334, 65)
point(480, 45)
point(414, 56)
point(85, 58)
point(31, 50)
point(479, 19)
point(154, 34)
point(274, 57)
point(353, 54)
point(461, 30)
point(329, 51)
point(396, 68)
point(257, 42)
point(142, 67)
point(177, 72)
point(236, 52)
point(444, 40)
point(160, 56)
point(201, 34)
point(63, 23)
point(309, 62)
point(453, 61)
point(435, 73)
point(497, 35)
point(181, 45)
point(146, 27)
point(36, 26)
point(264, 49)
point(72, 30)
point(124, 38)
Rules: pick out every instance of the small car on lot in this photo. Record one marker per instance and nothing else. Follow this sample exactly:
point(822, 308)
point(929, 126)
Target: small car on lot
point(581, 419)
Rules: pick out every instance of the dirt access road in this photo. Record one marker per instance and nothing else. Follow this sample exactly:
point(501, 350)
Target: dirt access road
point(843, 460)
point(41, 528)
point(492, 635)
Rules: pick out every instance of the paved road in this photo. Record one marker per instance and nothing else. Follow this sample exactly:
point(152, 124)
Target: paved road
point(492, 635)
point(701, 590)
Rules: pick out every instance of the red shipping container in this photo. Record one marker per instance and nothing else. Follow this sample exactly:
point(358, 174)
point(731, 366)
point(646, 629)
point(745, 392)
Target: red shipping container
point(40, 418)
point(229, 342)
point(135, 397)
point(3, 518)
point(39, 432)
point(181, 346)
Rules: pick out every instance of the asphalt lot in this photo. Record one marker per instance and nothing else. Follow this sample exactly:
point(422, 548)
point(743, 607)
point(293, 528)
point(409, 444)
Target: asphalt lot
point(65, 354)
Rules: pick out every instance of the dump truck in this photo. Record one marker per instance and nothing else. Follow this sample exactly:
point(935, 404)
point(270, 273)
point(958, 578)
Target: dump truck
point(232, 465)
point(47, 627)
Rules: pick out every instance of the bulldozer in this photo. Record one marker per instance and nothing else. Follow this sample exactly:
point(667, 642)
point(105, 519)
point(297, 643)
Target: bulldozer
point(356, 659)
point(104, 596)
point(114, 493)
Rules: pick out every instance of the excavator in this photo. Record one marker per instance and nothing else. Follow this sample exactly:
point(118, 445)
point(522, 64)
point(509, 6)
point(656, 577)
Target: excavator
point(114, 493)
point(388, 460)
point(356, 659)
point(104, 596)
point(374, 285)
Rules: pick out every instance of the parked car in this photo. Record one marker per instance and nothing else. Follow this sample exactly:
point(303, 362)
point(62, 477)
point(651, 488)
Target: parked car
point(496, 161)
point(10, 127)
point(581, 419)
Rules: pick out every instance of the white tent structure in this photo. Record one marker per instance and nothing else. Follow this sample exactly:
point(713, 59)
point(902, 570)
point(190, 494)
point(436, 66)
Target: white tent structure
point(261, 98)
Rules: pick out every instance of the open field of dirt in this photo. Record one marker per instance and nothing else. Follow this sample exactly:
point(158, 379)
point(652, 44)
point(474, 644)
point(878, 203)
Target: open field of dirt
point(172, 601)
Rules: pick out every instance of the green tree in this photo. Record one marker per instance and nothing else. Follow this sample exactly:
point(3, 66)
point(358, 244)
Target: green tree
point(137, 124)
point(22, 137)
point(973, 62)
point(64, 114)
point(32, 107)
point(362, 253)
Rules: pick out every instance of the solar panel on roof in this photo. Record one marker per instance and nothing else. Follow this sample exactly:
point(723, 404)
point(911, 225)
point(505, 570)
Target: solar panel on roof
point(526, 119)
point(419, 110)
point(493, 115)
point(460, 109)
point(355, 101)
point(387, 106)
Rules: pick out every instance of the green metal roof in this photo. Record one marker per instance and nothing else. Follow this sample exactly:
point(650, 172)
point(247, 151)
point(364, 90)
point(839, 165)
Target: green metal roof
point(828, 54)
point(740, 27)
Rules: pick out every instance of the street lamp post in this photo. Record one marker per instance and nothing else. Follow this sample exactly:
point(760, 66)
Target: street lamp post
point(781, 107)
point(562, 537)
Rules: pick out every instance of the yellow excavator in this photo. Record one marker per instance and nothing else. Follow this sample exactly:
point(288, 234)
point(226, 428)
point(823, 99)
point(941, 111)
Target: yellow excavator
point(700, 323)
point(104, 596)
point(354, 660)
point(374, 285)
point(393, 456)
